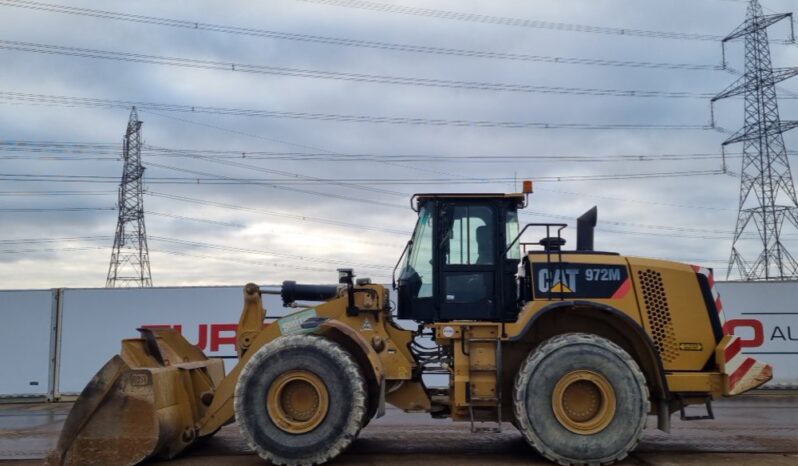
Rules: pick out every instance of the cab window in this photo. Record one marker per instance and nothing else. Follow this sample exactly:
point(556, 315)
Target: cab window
point(417, 271)
point(511, 230)
point(469, 235)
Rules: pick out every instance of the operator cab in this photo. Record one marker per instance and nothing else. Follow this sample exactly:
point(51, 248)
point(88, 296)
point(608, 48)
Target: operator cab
point(460, 264)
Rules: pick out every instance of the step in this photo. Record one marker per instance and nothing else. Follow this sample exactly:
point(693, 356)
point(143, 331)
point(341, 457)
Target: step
point(485, 399)
point(481, 369)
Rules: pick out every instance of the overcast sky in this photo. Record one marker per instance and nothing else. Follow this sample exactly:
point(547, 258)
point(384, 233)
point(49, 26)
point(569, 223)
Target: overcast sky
point(305, 231)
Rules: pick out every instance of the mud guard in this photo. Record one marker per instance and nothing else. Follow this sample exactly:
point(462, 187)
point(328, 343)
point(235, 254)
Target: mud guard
point(365, 355)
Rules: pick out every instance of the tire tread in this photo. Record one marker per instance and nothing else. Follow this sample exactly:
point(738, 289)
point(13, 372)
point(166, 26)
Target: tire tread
point(353, 373)
point(540, 353)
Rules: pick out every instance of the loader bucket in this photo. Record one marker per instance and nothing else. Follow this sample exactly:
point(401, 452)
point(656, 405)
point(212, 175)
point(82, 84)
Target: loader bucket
point(145, 402)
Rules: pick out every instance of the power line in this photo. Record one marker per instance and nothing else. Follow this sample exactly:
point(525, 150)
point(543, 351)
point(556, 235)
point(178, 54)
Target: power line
point(240, 133)
point(509, 21)
point(158, 151)
point(54, 193)
point(465, 158)
point(672, 228)
point(53, 240)
point(282, 141)
point(341, 76)
point(213, 179)
point(195, 219)
point(295, 176)
point(31, 251)
point(93, 148)
point(87, 102)
point(628, 176)
point(61, 158)
point(276, 184)
point(53, 209)
point(238, 225)
point(338, 41)
point(304, 218)
point(220, 247)
point(304, 146)
point(239, 260)
point(636, 201)
point(518, 22)
point(678, 233)
point(386, 158)
point(348, 182)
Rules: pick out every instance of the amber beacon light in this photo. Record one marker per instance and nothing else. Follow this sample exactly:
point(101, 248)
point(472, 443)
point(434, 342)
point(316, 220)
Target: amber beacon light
point(528, 187)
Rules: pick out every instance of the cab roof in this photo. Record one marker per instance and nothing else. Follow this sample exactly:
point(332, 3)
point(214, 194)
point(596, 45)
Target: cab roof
point(420, 198)
point(426, 196)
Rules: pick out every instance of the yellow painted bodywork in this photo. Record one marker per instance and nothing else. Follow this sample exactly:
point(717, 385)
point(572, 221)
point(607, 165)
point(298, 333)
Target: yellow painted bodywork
point(696, 382)
point(685, 323)
point(395, 360)
point(685, 331)
point(693, 342)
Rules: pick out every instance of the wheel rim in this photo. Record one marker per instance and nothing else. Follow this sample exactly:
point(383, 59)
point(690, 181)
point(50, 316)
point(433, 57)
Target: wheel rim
point(297, 401)
point(584, 402)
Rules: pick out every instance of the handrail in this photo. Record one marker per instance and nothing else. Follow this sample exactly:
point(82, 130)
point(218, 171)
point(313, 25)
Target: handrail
point(560, 228)
point(547, 225)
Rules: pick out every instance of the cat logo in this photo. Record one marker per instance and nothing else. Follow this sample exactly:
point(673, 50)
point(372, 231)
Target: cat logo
point(557, 280)
point(560, 288)
point(576, 280)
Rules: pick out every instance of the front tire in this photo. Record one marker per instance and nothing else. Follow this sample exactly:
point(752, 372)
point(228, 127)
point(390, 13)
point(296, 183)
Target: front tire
point(581, 399)
point(300, 400)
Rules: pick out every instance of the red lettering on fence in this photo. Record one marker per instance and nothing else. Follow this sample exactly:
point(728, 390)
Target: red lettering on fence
point(217, 339)
point(219, 335)
point(755, 325)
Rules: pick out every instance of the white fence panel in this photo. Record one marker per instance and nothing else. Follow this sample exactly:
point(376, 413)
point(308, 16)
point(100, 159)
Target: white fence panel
point(25, 342)
point(95, 321)
point(765, 316)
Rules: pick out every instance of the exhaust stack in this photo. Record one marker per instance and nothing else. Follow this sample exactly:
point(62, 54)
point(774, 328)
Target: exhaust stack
point(584, 229)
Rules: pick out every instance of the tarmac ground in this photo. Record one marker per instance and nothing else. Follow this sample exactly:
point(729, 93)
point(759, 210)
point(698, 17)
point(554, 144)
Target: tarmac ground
point(750, 430)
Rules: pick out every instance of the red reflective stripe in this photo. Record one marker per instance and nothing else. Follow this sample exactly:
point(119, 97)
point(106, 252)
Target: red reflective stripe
point(718, 304)
point(732, 350)
point(741, 372)
point(623, 289)
point(711, 279)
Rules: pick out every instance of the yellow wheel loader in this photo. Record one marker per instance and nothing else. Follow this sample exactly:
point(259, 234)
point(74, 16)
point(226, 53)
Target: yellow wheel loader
point(575, 348)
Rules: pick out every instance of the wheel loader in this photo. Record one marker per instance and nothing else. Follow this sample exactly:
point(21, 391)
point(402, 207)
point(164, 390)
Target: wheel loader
point(575, 348)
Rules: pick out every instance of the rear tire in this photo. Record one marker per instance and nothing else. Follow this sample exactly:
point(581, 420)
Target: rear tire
point(300, 400)
point(581, 399)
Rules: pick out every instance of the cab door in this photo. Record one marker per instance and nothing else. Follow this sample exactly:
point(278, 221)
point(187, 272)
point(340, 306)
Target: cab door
point(467, 245)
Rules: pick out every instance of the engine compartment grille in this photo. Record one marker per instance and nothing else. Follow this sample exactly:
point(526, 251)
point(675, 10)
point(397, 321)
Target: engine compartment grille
point(659, 315)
